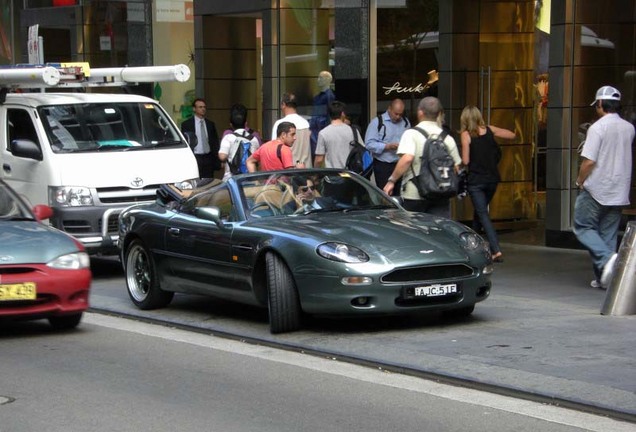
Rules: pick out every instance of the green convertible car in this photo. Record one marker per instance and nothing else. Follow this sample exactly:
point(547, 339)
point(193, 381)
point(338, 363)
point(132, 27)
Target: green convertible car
point(315, 241)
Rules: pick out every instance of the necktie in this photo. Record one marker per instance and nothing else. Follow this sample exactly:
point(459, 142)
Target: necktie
point(205, 147)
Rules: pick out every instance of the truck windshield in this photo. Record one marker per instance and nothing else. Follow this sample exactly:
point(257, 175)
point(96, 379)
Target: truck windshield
point(108, 127)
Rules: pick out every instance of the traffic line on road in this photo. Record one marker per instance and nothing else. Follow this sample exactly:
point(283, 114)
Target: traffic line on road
point(550, 413)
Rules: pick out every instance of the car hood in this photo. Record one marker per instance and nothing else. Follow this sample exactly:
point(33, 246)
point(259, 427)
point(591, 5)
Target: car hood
point(385, 232)
point(26, 242)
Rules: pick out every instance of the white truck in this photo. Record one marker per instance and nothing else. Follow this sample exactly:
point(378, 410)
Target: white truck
point(89, 155)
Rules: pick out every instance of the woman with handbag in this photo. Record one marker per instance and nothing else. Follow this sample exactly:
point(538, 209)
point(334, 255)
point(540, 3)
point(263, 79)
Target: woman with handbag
point(481, 154)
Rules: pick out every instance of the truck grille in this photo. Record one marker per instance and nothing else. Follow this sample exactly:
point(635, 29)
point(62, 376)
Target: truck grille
point(122, 195)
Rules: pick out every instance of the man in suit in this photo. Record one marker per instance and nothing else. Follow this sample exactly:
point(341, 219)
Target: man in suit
point(306, 198)
point(206, 151)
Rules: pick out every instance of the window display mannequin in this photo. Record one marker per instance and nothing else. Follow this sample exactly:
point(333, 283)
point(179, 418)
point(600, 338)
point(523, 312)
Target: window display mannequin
point(320, 117)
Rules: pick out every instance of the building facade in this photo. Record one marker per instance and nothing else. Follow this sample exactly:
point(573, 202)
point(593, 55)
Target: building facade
point(532, 66)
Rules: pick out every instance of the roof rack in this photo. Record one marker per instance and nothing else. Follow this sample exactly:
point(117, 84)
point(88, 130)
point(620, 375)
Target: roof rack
point(57, 75)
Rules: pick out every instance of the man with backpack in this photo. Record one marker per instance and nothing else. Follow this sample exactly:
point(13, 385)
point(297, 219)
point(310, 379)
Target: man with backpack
point(239, 145)
point(412, 148)
point(276, 154)
point(382, 139)
point(334, 141)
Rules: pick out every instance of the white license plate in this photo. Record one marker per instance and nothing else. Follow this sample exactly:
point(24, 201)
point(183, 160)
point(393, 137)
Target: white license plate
point(435, 290)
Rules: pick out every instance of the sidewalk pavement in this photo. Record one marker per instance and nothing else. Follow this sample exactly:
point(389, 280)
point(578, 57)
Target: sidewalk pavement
point(539, 335)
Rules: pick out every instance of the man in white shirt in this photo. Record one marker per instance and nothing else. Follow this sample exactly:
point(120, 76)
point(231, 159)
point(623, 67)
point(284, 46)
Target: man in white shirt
point(301, 150)
point(410, 150)
point(604, 183)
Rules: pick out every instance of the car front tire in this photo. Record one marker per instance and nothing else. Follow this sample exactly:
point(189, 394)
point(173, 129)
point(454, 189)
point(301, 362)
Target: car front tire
point(141, 279)
point(283, 300)
point(65, 322)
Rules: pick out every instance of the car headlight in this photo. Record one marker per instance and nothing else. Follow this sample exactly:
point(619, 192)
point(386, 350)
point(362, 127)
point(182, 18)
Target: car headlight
point(72, 261)
point(186, 185)
point(342, 253)
point(471, 241)
point(70, 196)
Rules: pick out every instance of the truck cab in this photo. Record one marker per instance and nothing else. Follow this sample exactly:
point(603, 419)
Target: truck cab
point(89, 156)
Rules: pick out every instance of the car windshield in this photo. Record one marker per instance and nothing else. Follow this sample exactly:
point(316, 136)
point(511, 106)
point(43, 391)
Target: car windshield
point(12, 208)
point(303, 192)
point(117, 126)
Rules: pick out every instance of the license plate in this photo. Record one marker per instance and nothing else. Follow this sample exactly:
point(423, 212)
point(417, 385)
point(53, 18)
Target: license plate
point(21, 291)
point(436, 290)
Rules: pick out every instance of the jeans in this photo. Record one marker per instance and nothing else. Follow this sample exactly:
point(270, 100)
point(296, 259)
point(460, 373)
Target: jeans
point(481, 195)
point(596, 227)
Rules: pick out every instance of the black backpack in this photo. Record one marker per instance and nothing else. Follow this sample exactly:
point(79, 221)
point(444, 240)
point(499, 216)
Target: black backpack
point(437, 178)
point(360, 160)
point(381, 124)
point(243, 151)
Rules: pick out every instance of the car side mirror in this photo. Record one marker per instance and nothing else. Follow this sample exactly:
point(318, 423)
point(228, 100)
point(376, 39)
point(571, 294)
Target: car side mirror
point(42, 212)
point(212, 214)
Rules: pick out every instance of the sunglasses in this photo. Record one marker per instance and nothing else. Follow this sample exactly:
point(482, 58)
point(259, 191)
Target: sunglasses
point(307, 188)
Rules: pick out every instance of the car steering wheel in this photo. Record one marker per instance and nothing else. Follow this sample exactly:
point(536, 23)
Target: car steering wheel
point(264, 204)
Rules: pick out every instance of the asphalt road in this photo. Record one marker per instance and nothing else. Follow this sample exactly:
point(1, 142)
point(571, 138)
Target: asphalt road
point(115, 374)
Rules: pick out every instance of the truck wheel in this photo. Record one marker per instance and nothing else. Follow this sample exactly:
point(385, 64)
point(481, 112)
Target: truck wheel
point(283, 300)
point(65, 322)
point(141, 279)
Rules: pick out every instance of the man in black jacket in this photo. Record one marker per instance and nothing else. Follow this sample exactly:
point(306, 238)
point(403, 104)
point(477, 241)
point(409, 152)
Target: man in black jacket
point(206, 150)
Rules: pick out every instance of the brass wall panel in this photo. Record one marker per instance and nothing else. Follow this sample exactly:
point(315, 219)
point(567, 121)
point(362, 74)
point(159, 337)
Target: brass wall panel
point(516, 163)
point(221, 94)
point(512, 201)
point(466, 51)
point(507, 51)
point(519, 120)
point(228, 32)
point(507, 17)
point(512, 89)
point(230, 64)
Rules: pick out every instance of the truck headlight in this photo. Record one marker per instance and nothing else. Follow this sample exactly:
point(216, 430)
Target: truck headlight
point(70, 196)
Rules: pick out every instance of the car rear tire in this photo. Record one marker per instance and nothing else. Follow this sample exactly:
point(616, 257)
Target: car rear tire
point(141, 279)
point(65, 322)
point(283, 301)
point(460, 313)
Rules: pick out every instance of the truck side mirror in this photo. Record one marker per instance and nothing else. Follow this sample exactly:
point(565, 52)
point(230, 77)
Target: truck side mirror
point(26, 149)
point(191, 138)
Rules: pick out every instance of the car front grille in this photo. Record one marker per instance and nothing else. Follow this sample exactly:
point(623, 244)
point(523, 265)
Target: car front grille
point(428, 273)
point(122, 195)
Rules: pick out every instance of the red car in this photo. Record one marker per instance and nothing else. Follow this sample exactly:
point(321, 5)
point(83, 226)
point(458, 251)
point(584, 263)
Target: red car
point(44, 273)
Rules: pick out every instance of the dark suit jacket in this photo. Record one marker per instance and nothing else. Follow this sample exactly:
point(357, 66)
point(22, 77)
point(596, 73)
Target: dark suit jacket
point(213, 139)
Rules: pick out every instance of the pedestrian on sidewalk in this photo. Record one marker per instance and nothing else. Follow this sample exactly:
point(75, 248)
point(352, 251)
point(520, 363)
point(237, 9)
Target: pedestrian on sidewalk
point(481, 154)
point(301, 149)
point(382, 139)
point(276, 154)
point(604, 183)
point(333, 141)
point(412, 143)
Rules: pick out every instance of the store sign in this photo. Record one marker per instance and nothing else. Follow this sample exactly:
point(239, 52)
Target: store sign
point(398, 88)
point(174, 11)
point(135, 12)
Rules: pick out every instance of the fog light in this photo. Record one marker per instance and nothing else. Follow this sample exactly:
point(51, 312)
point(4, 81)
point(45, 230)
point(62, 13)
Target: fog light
point(488, 269)
point(356, 280)
point(361, 301)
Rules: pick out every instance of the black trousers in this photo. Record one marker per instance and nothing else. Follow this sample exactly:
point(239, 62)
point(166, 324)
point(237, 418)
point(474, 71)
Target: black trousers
point(382, 171)
point(207, 165)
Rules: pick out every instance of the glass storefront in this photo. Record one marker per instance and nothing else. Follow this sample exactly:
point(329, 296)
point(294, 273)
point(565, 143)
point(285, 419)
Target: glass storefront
point(529, 66)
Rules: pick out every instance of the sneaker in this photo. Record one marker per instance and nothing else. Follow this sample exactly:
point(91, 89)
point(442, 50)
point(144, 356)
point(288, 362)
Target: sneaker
point(608, 271)
point(596, 284)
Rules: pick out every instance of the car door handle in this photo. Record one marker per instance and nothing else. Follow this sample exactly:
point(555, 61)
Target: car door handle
point(174, 231)
point(244, 246)
point(6, 168)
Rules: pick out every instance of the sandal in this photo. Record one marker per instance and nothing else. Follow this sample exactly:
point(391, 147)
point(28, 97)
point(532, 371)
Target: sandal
point(498, 257)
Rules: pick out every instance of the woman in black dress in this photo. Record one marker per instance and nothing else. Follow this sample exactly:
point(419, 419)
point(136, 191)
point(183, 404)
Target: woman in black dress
point(481, 154)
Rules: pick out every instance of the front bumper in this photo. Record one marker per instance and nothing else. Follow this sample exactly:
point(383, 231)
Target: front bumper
point(59, 292)
point(321, 294)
